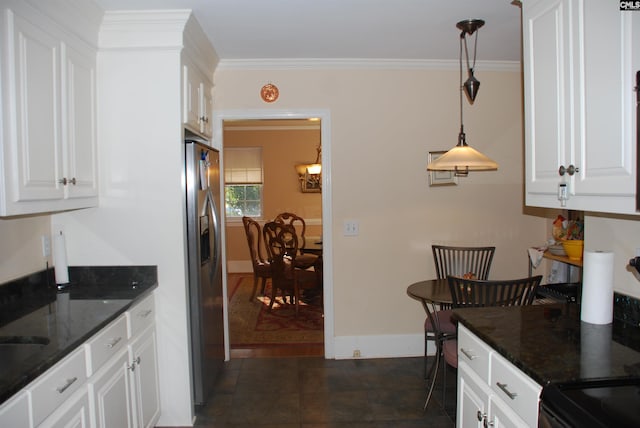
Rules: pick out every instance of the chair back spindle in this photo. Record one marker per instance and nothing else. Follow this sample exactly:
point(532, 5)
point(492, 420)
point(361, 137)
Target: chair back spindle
point(459, 261)
point(466, 293)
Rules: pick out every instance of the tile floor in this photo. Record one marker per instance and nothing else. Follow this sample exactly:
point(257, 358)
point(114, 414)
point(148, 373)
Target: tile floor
point(311, 392)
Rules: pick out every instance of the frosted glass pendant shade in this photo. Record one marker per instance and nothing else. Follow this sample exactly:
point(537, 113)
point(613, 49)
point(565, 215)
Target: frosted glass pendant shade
point(462, 159)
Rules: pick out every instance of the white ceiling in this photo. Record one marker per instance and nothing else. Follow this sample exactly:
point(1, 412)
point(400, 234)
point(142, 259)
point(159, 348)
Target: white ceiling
point(347, 29)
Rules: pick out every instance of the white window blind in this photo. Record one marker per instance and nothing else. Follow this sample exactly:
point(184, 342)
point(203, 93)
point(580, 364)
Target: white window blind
point(243, 165)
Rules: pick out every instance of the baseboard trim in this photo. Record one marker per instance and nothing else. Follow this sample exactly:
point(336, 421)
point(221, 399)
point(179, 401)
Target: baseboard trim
point(387, 346)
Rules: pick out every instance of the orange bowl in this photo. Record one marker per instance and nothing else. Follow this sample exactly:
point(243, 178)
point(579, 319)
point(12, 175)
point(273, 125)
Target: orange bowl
point(573, 248)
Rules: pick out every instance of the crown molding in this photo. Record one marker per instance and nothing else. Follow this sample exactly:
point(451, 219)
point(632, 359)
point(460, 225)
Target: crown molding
point(340, 63)
point(143, 29)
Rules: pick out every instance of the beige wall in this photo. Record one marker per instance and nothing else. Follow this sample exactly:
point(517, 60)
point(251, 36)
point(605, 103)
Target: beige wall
point(383, 125)
point(281, 151)
point(620, 234)
point(21, 246)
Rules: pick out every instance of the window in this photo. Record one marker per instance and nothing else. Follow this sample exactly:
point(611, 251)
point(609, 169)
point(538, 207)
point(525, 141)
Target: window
point(243, 182)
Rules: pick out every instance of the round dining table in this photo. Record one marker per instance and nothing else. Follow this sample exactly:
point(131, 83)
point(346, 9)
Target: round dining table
point(430, 292)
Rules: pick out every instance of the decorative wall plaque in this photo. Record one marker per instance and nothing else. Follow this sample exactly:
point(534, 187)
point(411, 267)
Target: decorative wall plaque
point(269, 93)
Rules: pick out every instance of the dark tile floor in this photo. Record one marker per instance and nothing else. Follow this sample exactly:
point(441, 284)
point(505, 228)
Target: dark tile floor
point(313, 392)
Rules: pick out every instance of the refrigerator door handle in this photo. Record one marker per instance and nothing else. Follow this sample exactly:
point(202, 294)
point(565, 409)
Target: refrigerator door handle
point(213, 212)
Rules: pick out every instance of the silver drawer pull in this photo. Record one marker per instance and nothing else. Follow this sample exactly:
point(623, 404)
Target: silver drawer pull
point(503, 387)
point(145, 313)
point(62, 389)
point(468, 354)
point(114, 342)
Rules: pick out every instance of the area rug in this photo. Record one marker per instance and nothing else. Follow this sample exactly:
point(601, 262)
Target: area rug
point(251, 323)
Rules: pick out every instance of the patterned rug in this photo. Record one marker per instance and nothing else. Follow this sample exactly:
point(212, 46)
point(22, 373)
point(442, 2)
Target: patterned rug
point(252, 323)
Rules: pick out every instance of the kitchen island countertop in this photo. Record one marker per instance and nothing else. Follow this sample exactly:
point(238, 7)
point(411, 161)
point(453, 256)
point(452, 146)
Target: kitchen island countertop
point(550, 344)
point(40, 325)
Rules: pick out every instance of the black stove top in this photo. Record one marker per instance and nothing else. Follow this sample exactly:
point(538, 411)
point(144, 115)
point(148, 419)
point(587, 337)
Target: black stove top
point(595, 403)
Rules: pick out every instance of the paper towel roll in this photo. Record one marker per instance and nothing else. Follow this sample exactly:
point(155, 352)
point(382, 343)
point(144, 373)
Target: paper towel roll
point(597, 287)
point(60, 259)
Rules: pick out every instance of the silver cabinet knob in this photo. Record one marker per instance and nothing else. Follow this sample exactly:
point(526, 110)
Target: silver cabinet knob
point(569, 170)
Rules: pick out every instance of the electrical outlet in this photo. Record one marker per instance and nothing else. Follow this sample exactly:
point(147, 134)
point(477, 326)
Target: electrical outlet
point(350, 228)
point(356, 353)
point(46, 246)
point(637, 251)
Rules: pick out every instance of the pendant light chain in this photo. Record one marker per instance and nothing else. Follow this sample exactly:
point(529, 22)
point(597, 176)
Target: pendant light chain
point(461, 87)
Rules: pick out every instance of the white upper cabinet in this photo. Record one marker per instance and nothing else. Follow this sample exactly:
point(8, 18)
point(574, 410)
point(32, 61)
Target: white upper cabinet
point(580, 61)
point(197, 99)
point(48, 115)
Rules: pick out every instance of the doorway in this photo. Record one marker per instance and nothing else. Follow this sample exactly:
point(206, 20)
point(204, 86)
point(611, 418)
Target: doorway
point(295, 121)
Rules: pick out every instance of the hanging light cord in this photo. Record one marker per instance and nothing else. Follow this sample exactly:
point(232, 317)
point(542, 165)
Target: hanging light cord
point(460, 88)
point(466, 50)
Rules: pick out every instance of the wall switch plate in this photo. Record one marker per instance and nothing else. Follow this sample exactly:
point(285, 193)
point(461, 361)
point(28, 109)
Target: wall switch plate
point(46, 246)
point(350, 228)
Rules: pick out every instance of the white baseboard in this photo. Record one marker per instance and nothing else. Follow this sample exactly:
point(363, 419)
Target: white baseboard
point(389, 346)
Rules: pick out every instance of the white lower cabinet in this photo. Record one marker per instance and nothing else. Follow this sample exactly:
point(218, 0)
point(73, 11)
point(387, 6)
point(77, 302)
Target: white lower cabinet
point(144, 378)
point(111, 401)
point(125, 391)
point(111, 381)
point(491, 391)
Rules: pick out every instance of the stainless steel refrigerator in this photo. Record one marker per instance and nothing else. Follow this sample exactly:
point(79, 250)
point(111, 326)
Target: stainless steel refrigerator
point(202, 180)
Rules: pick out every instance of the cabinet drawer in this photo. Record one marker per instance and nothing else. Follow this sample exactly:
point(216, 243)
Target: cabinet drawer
point(515, 388)
point(105, 344)
point(141, 316)
point(50, 390)
point(474, 352)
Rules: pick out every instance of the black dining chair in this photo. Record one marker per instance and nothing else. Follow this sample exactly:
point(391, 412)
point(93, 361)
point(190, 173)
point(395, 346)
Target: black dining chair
point(451, 260)
point(472, 293)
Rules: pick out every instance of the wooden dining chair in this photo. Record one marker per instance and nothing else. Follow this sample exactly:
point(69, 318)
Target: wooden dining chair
point(282, 243)
point(303, 260)
point(260, 264)
point(473, 293)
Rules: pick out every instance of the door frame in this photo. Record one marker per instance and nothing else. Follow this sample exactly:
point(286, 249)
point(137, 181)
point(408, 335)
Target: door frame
point(327, 223)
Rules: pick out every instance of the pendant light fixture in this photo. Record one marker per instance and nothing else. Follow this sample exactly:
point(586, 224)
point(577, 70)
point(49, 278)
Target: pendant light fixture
point(462, 158)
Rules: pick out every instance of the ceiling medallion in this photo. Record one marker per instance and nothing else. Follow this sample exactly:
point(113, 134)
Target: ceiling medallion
point(269, 93)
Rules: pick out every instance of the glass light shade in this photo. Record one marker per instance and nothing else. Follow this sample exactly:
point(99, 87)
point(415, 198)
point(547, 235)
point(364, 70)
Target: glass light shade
point(463, 158)
point(301, 169)
point(314, 168)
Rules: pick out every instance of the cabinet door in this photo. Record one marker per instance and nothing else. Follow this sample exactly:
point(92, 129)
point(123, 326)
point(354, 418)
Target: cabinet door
point(606, 156)
point(500, 415)
point(35, 98)
point(80, 132)
point(110, 394)
point(549, 129)
point(191, 102)
point(145, 378)
point(473, 397)
point(206, 106)
point(15, 411)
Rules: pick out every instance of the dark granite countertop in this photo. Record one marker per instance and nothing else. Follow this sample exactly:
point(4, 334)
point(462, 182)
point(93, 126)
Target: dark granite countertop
point(551, 345)
point(40, 325)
